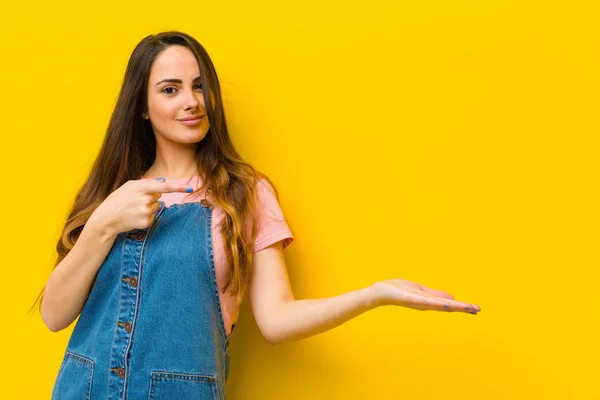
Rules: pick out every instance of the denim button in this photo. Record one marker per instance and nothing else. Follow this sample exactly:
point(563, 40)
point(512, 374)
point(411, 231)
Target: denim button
point(140, 236)
point(205, 203)
point(132, 281)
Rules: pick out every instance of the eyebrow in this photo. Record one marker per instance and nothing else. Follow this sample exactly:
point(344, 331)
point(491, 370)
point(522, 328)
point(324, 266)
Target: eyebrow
point(176, 80)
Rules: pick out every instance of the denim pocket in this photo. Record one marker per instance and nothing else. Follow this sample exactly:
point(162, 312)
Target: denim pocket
point(171, 385)
point(74, 380)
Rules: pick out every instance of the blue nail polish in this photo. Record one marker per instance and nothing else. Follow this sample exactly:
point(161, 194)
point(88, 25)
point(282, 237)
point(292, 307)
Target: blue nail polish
point(189, 190)
point(160, 179)
point(467, 308)
point(446, 306)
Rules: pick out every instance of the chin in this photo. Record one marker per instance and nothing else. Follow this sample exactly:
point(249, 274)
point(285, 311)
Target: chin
point(193, 138)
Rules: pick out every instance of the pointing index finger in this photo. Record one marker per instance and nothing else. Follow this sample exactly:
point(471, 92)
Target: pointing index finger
point(156, 186)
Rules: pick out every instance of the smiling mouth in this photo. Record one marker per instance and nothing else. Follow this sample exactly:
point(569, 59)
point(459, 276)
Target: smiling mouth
point(191, 119)
point(192, 122)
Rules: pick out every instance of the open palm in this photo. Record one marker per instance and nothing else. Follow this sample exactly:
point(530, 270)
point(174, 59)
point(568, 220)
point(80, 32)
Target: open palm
point(402, 292)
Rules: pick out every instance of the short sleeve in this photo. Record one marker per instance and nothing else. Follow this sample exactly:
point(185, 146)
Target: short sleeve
point(272, 226)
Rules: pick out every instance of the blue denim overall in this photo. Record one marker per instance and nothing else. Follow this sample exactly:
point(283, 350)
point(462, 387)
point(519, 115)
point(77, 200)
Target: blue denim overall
point(152, 326)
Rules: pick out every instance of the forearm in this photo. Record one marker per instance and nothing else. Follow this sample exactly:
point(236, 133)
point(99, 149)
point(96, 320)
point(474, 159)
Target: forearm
point(299, 319)
point(69, 285)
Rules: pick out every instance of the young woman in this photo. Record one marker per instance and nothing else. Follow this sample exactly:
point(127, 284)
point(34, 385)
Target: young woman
point(168, 233)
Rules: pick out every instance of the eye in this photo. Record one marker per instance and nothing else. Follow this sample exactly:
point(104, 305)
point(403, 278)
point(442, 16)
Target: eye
point(168, 87)
point(199, 86)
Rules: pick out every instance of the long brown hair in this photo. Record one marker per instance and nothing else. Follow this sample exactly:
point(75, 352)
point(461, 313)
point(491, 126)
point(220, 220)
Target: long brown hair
point(129, 149)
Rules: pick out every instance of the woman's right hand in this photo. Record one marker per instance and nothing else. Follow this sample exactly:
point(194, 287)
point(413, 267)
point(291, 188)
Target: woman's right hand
point(133, 204)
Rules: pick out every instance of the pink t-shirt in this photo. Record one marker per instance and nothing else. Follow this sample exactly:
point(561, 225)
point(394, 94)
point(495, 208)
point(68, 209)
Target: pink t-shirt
point(272, 227)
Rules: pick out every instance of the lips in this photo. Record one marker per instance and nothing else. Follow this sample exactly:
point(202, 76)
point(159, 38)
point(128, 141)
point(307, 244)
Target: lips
point(191, 118)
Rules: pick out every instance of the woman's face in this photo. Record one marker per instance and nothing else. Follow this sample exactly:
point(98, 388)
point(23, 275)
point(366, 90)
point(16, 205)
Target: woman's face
point(175, 92)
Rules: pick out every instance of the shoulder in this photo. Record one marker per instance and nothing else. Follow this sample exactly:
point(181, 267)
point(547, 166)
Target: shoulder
point(267, 196)
point(272, 224)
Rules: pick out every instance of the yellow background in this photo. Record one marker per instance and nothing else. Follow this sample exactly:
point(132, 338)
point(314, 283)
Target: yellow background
point(452, 143)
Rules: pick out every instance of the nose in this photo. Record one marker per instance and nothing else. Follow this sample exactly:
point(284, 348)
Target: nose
point(192, 101)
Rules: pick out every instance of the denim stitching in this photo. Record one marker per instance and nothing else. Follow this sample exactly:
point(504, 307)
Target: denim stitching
point(214, 274)
point(123, 245)
point(215, 288)
point(157, 376)
point(86, 362)
point(138, 296)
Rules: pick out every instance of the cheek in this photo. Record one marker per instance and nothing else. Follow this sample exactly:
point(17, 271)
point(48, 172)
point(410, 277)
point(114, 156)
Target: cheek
point(163, 110)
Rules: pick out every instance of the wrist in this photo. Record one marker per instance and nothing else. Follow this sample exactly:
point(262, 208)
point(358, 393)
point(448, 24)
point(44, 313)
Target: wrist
point(372, 298)
point(101, 226)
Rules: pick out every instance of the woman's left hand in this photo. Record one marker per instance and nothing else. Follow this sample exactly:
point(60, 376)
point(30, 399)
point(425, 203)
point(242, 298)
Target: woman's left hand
point(402, 292)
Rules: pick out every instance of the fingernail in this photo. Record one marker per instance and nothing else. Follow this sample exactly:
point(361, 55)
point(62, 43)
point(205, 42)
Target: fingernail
point(467, 308)
point(160, 179)
point(446, 306)
point(189, 190)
